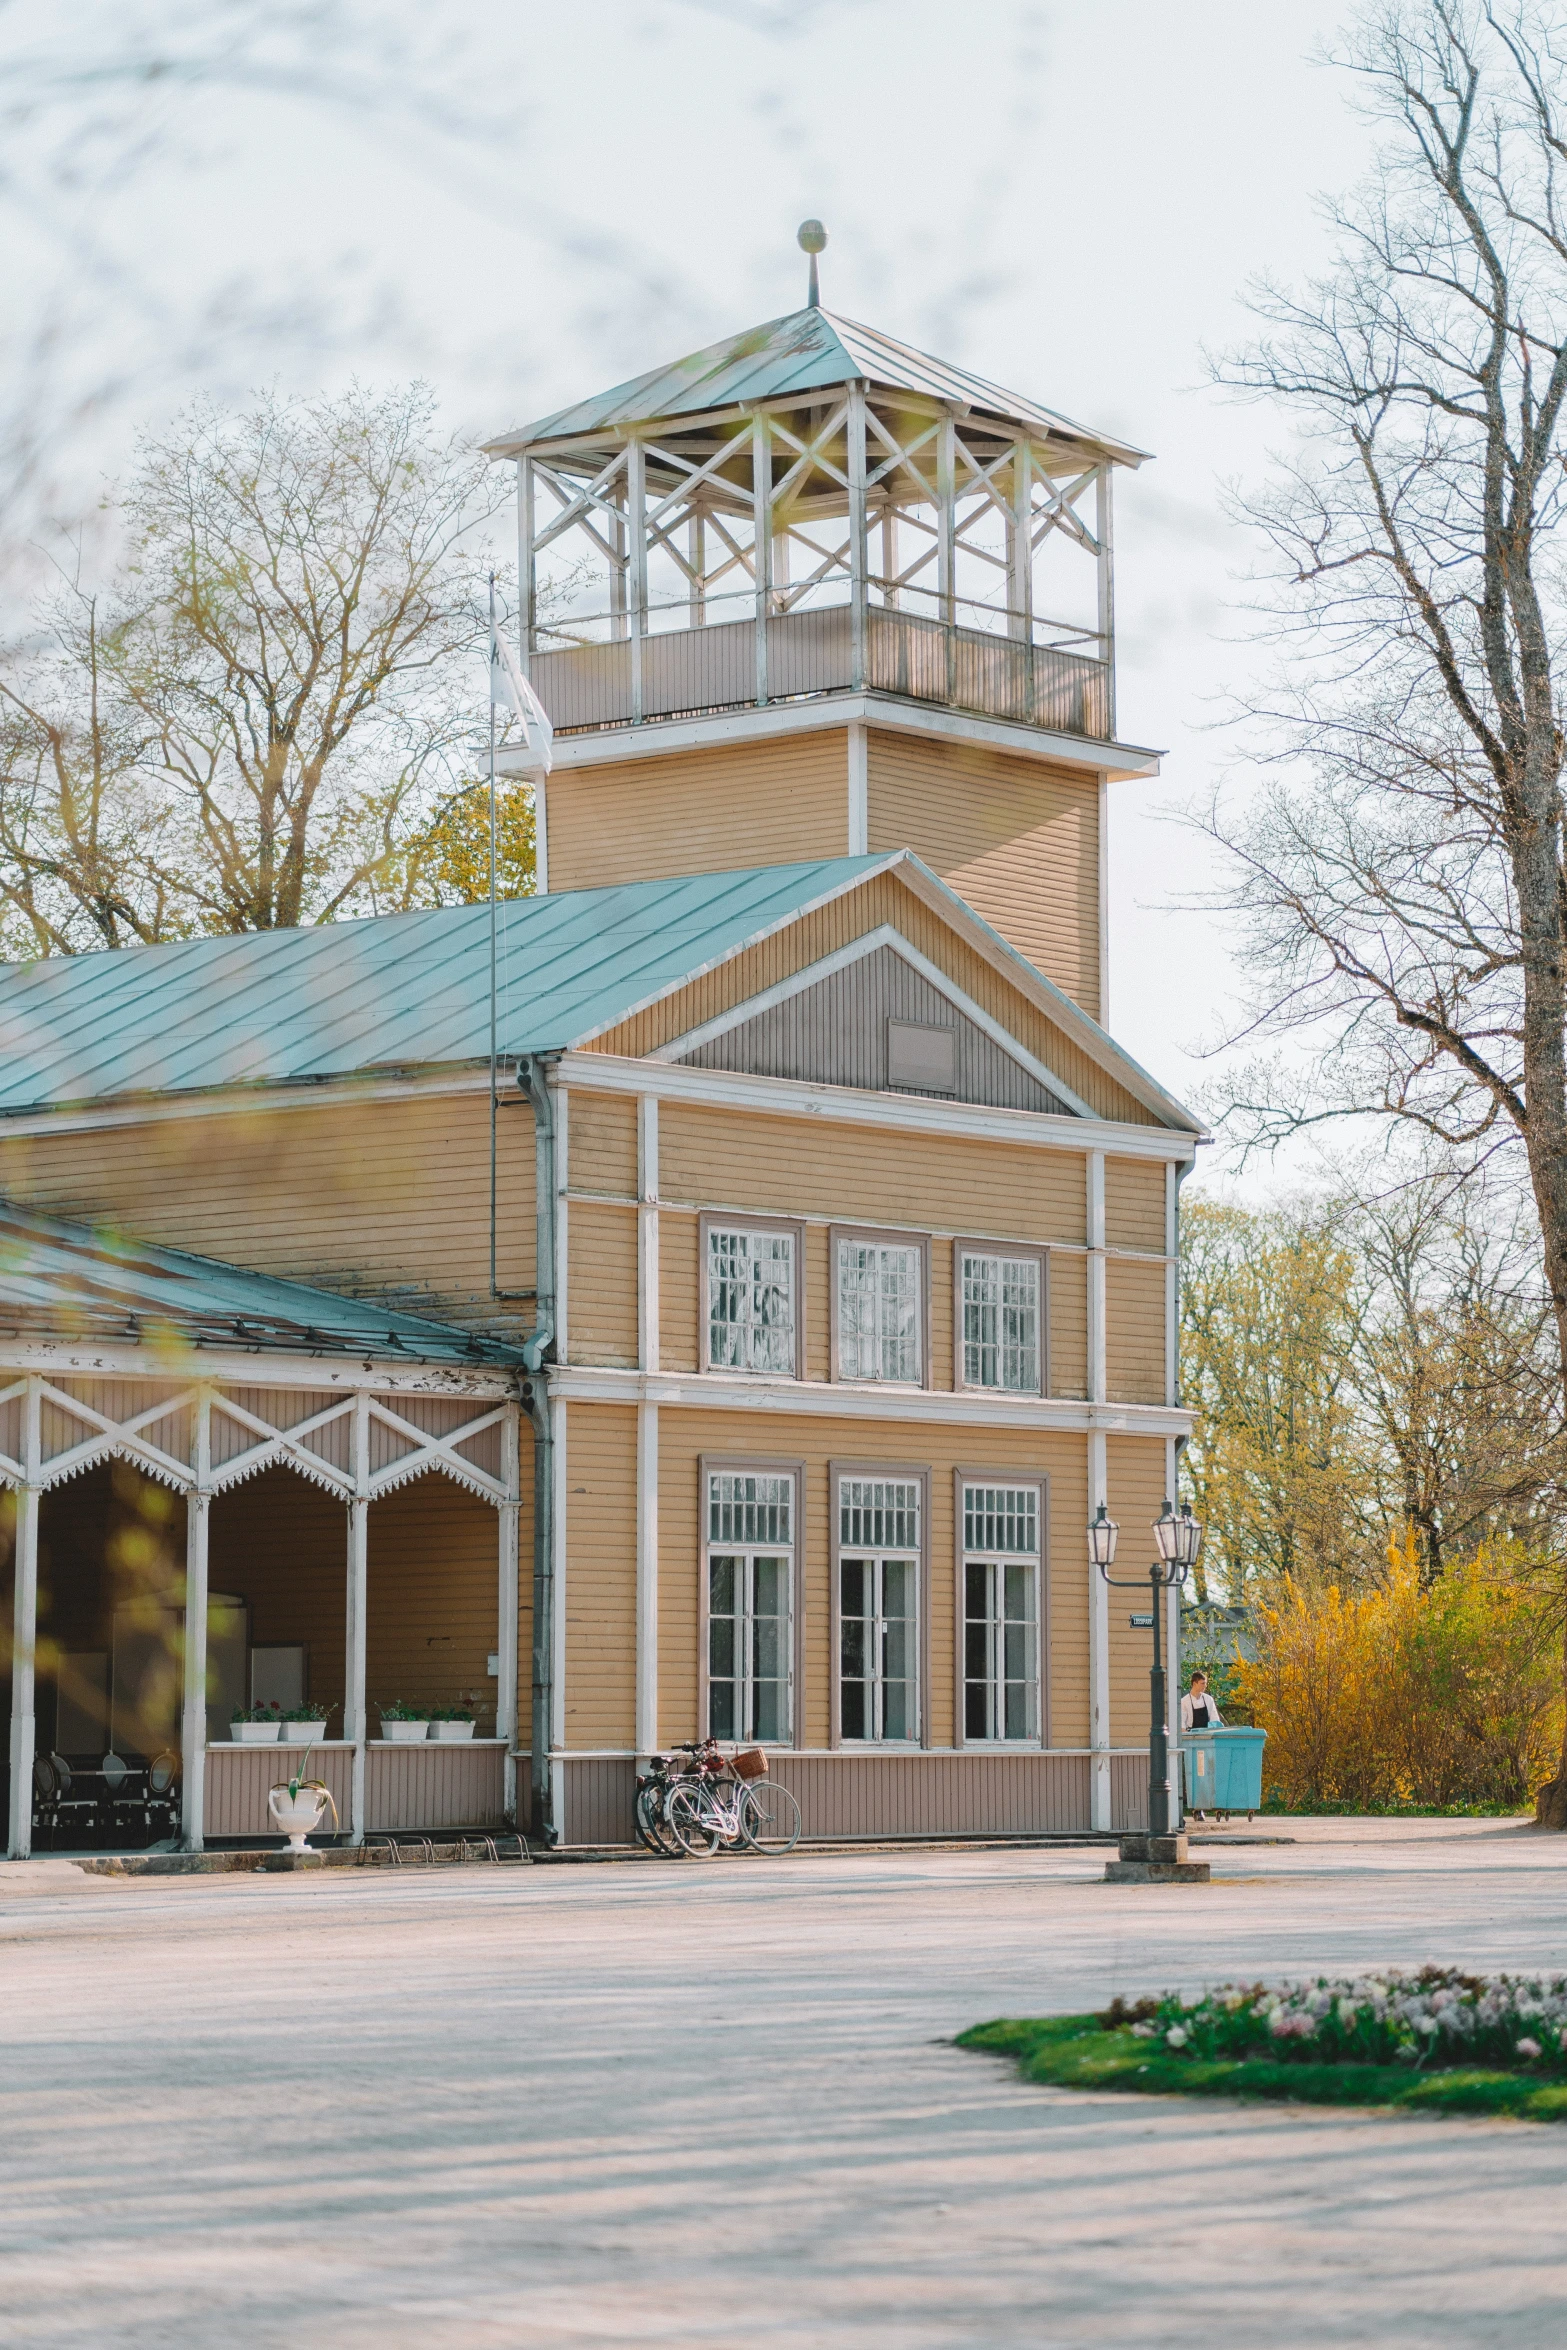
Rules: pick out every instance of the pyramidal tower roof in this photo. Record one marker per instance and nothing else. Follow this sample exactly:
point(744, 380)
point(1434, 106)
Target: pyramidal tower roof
point(807, 350)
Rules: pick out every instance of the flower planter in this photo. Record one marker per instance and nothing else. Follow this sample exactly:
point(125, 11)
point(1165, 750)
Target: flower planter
point(303, 1733)
point(254, 1733)
point(297, 1814)
point(405, 1733)
point(451, 1731)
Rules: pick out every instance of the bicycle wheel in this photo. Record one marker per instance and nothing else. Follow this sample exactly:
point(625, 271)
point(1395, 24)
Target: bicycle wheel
point(649, 1817)
point(685, 1816)
point(769, 1818)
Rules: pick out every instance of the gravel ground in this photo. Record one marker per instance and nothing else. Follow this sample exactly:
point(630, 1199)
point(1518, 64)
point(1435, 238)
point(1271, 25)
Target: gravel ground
point(715, 2104)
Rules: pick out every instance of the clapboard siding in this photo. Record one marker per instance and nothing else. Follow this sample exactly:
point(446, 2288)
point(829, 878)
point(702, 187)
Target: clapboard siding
point(387, 1199)
point(768, 803)
point(1136, 1469)
point(1134, 1330)
point(601, 1575)
point(441, 1784)
point(1018, 840)
point(602, 1143)
point(798, 944)
point(601, 1262)
point(1134, 1204)
point(238, 1779)
point(835, 1033)
point(934, 1183)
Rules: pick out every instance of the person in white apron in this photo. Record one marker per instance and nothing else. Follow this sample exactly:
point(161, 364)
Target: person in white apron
point(1198, 1712)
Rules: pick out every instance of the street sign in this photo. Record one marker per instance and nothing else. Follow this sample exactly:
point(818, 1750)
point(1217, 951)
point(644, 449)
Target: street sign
point(1141, 1623)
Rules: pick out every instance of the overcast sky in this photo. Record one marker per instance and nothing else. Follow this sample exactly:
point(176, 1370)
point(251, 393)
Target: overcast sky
point(1065, 195)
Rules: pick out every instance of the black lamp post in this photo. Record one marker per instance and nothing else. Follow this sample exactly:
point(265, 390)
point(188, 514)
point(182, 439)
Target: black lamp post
point(1178, 1538)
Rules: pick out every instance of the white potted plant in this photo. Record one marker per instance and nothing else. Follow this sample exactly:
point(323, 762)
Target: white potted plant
point(452, 1722)
point(402, 1725)
point(297, 1805)
point(305, 1725)
point(255, 1725)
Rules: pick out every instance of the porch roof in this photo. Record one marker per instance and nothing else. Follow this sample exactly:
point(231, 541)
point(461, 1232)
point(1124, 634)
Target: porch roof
point(73, 1281)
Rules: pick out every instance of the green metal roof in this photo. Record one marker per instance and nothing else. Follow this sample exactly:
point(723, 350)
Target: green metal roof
point(809, 350)
point(61, 1280)
point(403, 991)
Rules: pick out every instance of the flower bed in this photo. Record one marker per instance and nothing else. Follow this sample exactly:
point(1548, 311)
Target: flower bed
point(1440, 2039)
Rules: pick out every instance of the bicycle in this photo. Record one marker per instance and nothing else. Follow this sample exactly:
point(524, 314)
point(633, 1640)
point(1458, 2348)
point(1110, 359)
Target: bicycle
point(719, 1801)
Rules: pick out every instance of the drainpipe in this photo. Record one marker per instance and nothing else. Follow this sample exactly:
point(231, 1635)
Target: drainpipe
point(534, 1072)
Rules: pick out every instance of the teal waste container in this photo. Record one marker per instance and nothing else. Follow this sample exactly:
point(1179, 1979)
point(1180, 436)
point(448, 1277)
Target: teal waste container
point(1224, 1769)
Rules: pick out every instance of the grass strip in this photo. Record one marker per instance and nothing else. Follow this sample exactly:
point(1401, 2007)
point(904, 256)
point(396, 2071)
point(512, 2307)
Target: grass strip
point(1073, 2052)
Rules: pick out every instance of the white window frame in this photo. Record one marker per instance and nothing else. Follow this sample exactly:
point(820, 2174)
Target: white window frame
point(749, 1549)
point(999, 1554)
point(917, 1244)
point(1000, 1254)
point(883, 1474)
point(752, 1227)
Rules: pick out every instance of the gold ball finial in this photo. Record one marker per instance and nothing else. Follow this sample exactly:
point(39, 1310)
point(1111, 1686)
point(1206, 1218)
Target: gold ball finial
point(812, 236)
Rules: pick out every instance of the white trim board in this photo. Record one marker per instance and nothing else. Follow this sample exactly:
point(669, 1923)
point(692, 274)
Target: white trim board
point(868, 1400)
point(614, 745)
point(856, 951)
point(844, 1105)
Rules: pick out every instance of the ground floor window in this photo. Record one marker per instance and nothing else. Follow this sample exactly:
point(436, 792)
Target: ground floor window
point(750, 1578)
point(878, 1622)
point(1000, 1611)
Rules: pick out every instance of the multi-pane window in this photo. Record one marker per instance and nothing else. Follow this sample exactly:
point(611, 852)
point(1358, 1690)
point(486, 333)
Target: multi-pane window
point(878, 1624)
point(750, 1300)
point(880, 1284)
point(1001, 1611)
point(750, 1532)
point(1001, 1322)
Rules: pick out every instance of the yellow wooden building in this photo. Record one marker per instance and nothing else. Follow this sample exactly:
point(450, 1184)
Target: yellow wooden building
point(752, 1359)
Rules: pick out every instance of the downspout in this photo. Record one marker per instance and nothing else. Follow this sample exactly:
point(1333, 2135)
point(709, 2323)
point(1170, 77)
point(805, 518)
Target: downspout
point(534, 1071)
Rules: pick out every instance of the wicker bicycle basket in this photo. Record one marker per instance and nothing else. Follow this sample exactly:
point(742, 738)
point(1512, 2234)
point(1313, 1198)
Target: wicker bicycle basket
point(750, 1763)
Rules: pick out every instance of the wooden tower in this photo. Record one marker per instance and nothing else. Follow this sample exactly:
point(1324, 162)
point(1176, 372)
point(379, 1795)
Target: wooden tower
point(799, 596)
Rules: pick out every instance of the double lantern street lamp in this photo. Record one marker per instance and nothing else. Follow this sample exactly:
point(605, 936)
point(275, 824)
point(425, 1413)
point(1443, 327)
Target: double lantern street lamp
point(1178, 1537)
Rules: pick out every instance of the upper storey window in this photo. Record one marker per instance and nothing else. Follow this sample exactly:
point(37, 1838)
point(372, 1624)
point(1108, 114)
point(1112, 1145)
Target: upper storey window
point(751, 1307)
point(1002, 1304)
point(880, 1286)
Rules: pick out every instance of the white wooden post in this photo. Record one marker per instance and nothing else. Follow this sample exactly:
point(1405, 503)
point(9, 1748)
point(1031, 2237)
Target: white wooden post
point(1098, 1491)
point(509, 1513)
point(557, 1727)
point(1020, 550)
point(856, 470)
point(647, 1578)
point(946, 543)
point(762, 536)
point(696, 555)
point(193, 1733)
point(527, 566)
point(354, 1709)
point(859, 788)
point(1104, 532)
point(24, 1626)
point(636, 501)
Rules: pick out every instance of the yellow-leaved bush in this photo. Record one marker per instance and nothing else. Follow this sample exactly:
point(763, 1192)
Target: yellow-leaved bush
point(1446, 1694)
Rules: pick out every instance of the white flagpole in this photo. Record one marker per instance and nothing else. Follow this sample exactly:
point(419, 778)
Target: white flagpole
point(493, 1021)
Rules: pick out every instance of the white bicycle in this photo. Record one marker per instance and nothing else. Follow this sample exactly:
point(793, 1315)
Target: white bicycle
point(729, 1804)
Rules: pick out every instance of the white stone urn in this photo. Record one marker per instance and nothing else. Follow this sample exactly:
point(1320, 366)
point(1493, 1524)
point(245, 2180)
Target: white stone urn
point(297, 1814)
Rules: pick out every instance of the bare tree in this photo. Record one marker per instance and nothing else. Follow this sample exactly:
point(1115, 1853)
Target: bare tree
point(1401, 884)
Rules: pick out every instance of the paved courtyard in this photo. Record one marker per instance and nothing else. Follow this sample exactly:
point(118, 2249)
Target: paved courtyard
point(715, 2105)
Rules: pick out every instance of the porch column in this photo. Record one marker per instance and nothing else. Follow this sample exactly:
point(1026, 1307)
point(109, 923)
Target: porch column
point(506, 1611)
point(193, 1735)
point(855, 455)
point(24, 1626)
point(358, 1597)
point(762, 549)
point(1098, 1491)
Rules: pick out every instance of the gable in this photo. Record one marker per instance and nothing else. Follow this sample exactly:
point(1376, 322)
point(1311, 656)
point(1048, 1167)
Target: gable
point(879, 1022)
point(882, 898)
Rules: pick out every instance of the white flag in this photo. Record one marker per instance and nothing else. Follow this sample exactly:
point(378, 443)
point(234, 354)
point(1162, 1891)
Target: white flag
point(511, 689)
